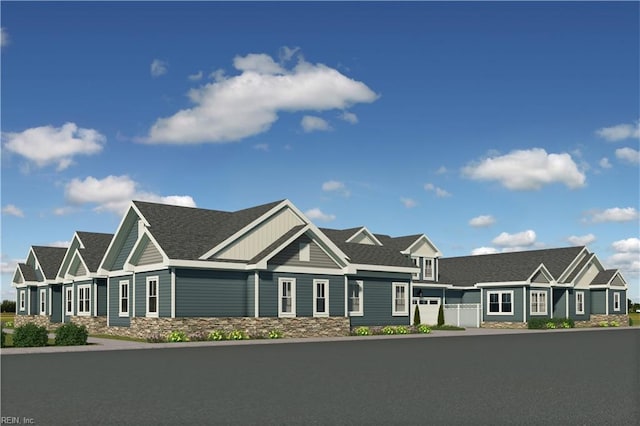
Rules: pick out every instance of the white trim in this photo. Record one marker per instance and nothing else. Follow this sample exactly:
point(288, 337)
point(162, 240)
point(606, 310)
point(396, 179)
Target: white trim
point(50, 305)
point(108, 297)
point(292, 282)
point(325, 283)
point(256, 294)
point(95, 299)
point(80, 301)
point(424, 269)
point(155, 279)
point(304, 251)
point(22, 300)
point(574, 263)
point(42, 301)
point(500, 293)
point(537, 294)
point(173, 292)
point(368, 234)
point(416, 275)
point(566, 303)
point(581, 293)
point(360, 311)
point(306, 270)
point(68, 301)
point(132, 307)
point(394, 287)
point(524, 305)
point(346, 297)
point(616, 299)
point(429, 242)
point(28, 301)
point(122, 313)
point(606, 294)
point(354, 268)
point(145, 233)
point(132, 206)
point(507, 284)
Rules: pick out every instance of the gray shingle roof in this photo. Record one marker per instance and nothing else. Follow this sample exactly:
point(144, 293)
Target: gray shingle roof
point(398, 243)
point(28, 273)
point(187, 232)
point(603, 277)
point(503, 267)
point(50, 259)
point(95, 245)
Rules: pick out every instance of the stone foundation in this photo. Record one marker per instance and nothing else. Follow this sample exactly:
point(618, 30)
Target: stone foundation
point(596, 319)
point(503, 324)
point(95, 325)
point(39, 320)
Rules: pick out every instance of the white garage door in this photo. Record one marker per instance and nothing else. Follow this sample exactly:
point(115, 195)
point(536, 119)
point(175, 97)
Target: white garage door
point(428, 307)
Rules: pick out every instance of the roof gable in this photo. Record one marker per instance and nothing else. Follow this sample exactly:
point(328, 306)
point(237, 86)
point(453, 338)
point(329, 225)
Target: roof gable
point(364, 236)
point(49, 259)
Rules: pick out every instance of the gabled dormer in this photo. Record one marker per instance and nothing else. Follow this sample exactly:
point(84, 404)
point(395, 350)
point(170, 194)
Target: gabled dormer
point(83, 256)
point(364, 236)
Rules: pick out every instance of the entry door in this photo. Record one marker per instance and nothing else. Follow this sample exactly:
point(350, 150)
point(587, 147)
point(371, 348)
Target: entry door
point(429, 307)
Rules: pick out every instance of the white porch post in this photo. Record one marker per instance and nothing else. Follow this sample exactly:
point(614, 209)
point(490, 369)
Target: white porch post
point(566, 302)
point(256, 294)
point(173, 292)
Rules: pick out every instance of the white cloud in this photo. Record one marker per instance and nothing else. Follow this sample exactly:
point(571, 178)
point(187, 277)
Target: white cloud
point(262, 147)
point(482, 221)
point(483, 250)
point(195, 77)
point(64, 244)
point(311, 123)
point(583, 240)
point(408, 202)
point(4, 37)
point(158, 68)
point(442, 170)
point(8, 265)
point(217, 75)
point(440, 193)
point(628, 155)
point(604, 163)
point(336, 186)
point(286, 53)
point(317, 214)
point(626, 257)
point(528, 170)
point(12, 210)
point(615, 214)
point(521, 239)
point(349, 117)
point(114, 193)
point(247, 104)
point(48, 145)
point(62, 211)
point(620, 132)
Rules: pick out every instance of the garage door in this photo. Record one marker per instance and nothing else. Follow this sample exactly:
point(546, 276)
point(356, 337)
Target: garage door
point(428, 307)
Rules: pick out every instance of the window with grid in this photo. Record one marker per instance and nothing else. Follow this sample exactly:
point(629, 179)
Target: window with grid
point(538, 302)
point(500, 302)
point(152, 296)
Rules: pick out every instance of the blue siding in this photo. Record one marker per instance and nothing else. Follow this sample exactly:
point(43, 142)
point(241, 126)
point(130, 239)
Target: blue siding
point(377, 293)
point(268, 294)
point(598, 301)
point(56, 303)
point(126, 248)
point(67, 318)
point(548, 302)
point(471, 296)
point(572, 305)
point(623, 302)
point(251, 292)
point(102, 296)
point(559, 301)
point(517, 308)
point(33, 300)
point(429, 292)
point(202, 293)
point(164, 292)
point(114, 301)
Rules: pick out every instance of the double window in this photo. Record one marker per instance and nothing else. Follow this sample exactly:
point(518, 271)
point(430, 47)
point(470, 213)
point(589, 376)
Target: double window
point(43, 301)
point(84, 300)
point(287, 297)
point(22, 302)
point(400, 299)
point(356, 298)
point(538, 303)
point(68, 301)
point(616, 301)
point(500, 302)
point(152, 296)
point(320, 298)
point(124, 298)
point(579, 302)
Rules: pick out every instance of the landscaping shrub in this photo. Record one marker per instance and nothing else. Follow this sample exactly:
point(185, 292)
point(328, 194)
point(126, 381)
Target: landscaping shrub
point(71, 334)
point(549, 323)
point(30, 335)
point(216, 335)
point(401, 329)
point(423, 328)
point(275, 334)
point(603, 324)
point(237, 335)
point(177, 336)
point(416, 317)
point(614, 323)
point(388, 330)
point(441, 315)
point(362, 331)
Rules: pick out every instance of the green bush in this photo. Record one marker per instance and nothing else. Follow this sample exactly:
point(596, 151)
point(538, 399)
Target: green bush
point(549, 323)
point(423, 328)
point(614, 323)
point(237, 335)
point(30, 335)
point(362, 331)
point(275, 334)
point(603, 324)
point(1, 339)
point(71, 334)
point(441, 315)
point(177, 336)
point(416, 317)
point(388, 330)
point(401, 329)
point(216, 335)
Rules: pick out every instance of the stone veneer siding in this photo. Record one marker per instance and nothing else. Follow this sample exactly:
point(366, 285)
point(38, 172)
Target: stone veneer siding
point(39, 320)
point(503, 324)
point(596, 319)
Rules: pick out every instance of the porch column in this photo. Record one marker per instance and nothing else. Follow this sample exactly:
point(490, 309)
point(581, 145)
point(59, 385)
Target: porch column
point(256, 294)
point(566, 302)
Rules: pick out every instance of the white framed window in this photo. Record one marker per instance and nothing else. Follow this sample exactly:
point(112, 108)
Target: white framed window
point(320, 298)
point(499, 302)
point(43, 301)
point(305, 252)
point(152, 296)
point(84, 300)
point(427, 270)
point(356, 298)
point(68, 301)
point(22, 302)
point(579, 302)
point(400, 299)
point(616, 301)
point(287, 297)
point(538, 303)
point(416, 275)
point(123, 297)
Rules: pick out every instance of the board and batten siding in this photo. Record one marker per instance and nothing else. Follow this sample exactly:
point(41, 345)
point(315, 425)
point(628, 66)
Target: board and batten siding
point(517, 306)
point(114, 301)
point(203, 293)
point(249, 245)
point(126, 248)
point(164, 292)
point(378, 299)
point(290, 256)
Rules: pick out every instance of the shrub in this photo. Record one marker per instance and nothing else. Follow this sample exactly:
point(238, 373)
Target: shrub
point(30, 335)
point(603, 324)
point(155, 338)
point(237, 335)
point(401, 329)
point(423, 328)
point(71, 334)
point(550, 323)
point(416, 317)
point(1, 339)
point(614, 324)
point(275, 334)
point(388, 330)
point(8, 306)
point(177, 336)
point(441, 315)
point(362, 331)
point(216, 335)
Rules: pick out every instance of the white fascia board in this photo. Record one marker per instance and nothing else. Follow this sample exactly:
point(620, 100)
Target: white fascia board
point(127, 263)
point(599, 286)
point(114, 274)
point(116, 234)
point(423, 236)
point(367, 232)
point(504, 284)
point(148, 268)
point(208, 264)
point(262, 263)
point(439, 286)
point(354, 268)
point(571, 266)
point(62, 273)
point(244, 230)
point(23, 285)
point(310, 270)
point(18, 271)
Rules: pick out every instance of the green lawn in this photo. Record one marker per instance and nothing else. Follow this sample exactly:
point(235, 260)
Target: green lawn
point(8, 341)
point(635, 317)
point(125, 338)
point(7, 316)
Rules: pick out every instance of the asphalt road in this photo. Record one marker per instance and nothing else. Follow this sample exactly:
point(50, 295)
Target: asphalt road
point(580, 378)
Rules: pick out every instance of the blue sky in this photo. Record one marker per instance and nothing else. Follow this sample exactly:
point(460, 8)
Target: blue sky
point(487, 126)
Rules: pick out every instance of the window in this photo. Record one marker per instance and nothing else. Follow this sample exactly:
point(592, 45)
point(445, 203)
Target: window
point(538, 302)
point(287, 296)
point(428, 269)
point(400, 299)
point(43, 301)
point(305, 252)
point(152, 296)
point(22, 304)
point(84, 300)
point(579, 302)
point(320, 298)
point(124, 298)
point(500, 302)
point(69, 301)
point(356, 298)
point(416, 275)
point(616, 301)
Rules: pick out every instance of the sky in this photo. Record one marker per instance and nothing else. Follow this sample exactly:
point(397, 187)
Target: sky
point(489, 127)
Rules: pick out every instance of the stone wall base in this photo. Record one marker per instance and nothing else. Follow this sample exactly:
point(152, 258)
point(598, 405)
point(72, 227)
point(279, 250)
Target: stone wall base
point(39, 320)
point(596, 319)
point(503, 324)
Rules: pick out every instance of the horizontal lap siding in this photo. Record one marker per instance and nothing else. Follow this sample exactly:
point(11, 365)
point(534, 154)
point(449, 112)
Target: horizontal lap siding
point(268, 294)
point(102, 296)
point(251, 295)
point(67, 317)
point(126, 249)
point(587, 305)
point(290, 255)
point(377, 303)
point(598, 301)
point(34, 296)
point(211, 293)
point(164, 292)
point(114, 301)
point(559, 303)
point(516, 301)
point(623, 301)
